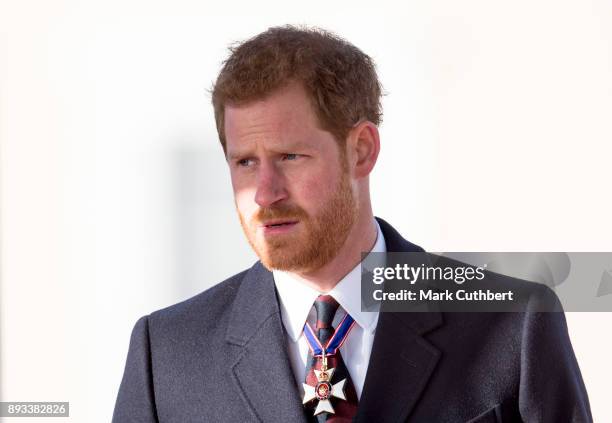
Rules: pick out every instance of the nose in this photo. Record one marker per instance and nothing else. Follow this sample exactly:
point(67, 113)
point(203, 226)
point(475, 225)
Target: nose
point(270, 185)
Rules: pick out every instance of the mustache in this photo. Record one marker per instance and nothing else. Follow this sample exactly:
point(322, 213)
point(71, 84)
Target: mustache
point(285, 211)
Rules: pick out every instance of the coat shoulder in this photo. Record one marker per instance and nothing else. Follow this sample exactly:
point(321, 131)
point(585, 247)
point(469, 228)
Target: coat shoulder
point(205, 309)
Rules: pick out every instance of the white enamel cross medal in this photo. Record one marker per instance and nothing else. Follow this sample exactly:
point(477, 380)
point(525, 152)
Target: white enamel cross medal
point(323, 391)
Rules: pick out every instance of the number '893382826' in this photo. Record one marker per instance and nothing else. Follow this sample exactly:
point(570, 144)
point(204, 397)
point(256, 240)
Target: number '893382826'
point(34, 409)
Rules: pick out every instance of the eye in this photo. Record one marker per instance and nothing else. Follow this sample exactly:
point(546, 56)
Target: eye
point(245, 162)
point(290, 156)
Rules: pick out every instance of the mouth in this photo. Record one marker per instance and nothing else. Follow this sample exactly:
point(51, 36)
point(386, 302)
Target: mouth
point(278, 226)
point(278, 223)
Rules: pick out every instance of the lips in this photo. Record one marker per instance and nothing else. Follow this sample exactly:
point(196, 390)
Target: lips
point(278, 227)
point(278, 223)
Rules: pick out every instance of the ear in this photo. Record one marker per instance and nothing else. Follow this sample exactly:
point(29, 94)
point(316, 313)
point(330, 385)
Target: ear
point(363, 145)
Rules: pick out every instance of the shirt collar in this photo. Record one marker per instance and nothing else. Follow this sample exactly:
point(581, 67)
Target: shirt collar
point(296, 298)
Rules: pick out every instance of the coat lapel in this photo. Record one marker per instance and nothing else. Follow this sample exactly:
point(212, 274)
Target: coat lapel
point(401, 363)
point(402, 360)
point(262, 372)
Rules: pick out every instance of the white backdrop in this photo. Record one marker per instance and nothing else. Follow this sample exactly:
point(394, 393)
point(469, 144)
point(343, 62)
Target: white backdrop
point(115, 200)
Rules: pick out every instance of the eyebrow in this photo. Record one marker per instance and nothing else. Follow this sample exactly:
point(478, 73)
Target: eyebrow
point(300, 145)
point(233, 155)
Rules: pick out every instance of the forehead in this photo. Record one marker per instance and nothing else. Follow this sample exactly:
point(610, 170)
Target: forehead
point(285, 116)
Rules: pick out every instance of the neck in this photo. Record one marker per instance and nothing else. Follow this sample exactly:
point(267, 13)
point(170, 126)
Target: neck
point(361, 238)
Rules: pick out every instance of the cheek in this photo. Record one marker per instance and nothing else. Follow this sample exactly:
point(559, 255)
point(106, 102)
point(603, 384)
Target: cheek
point(245, 201)
point(313, 189)
point(241, 186)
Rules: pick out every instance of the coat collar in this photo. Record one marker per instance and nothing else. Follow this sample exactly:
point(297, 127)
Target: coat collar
point(420, 322)
point(402, 360)
point(262, 372)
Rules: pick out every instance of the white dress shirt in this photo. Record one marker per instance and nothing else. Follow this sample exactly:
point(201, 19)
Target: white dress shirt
point(296, 300)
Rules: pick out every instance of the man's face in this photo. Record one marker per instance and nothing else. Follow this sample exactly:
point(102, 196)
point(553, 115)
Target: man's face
point(291, 184)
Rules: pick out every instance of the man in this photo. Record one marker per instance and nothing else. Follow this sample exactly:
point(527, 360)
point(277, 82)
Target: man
point(297, 112)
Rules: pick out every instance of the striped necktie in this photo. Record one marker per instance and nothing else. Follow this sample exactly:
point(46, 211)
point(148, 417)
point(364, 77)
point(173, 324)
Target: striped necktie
point(326, 312)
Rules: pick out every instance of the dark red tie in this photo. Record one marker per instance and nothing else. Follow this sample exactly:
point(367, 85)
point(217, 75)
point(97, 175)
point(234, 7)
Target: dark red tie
point(344, 410)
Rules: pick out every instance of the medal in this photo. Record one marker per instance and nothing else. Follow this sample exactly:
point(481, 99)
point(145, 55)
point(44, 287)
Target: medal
point(324, 389)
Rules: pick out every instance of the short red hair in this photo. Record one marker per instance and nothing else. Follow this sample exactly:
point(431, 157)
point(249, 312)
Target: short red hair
point(340, 79)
